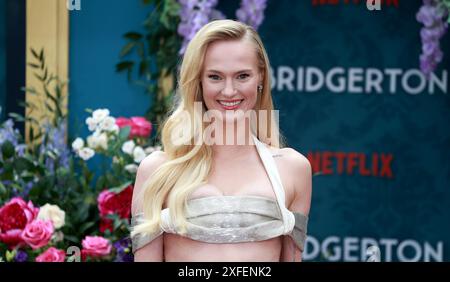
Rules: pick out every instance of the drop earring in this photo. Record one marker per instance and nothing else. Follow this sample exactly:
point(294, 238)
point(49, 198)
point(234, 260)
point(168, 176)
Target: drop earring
point(260, 88)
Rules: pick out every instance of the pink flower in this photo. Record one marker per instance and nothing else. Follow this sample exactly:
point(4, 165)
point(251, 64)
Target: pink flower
point(140, 127)
point(122, 122)
point(52, 255)
point(95, 246)
point(14, 217)
point(38, 233)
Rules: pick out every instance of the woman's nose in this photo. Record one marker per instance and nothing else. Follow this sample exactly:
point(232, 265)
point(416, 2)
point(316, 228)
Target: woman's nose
point(228, 88)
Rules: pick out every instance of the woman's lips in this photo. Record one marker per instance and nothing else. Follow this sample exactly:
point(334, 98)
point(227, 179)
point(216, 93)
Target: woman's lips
point(230, 104)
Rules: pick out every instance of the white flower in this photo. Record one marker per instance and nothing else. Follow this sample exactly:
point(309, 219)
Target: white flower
point(115, 160)
point(100, 114)
point(86, 153)
point(108, 124)
point(128, 147)
point(103, 141)
point(138, 154)
point(77, 144)
point(151, 149)
point(92, 141)
point(92, 124)
point(53, 213)
point(131, 168)
point(115, 129)
point(96, 141)
point(58, 236)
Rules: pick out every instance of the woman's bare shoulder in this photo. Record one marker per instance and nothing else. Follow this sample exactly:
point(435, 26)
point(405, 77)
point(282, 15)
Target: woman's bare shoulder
point(153, 161)
point(291, 157)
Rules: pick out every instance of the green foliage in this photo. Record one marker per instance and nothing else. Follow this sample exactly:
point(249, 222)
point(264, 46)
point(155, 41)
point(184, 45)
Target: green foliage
point(157, 51)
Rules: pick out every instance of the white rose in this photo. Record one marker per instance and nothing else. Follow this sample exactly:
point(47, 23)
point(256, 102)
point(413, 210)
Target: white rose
point(53, 213)
point(128, 147)
point(86, 153)
point(108, 124)
point(103, 141)
point(92, 124)
point(92, 141)
point(138, 154)
point(131, 168)
point(115, 129)
point(100, 114)
point(77, 144)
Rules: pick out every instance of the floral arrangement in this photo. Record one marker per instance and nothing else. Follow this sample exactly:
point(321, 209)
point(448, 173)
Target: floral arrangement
point(33, 232)
point(434, 15)
point(53, 207)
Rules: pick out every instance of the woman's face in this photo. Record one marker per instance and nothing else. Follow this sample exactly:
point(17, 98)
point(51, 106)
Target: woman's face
point(230, 76)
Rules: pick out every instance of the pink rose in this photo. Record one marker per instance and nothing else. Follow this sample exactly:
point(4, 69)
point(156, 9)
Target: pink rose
point(38, 233)
point(14, 217)
point(140, 127)
point(52, 255)
point(122, 122)
point(95, 246)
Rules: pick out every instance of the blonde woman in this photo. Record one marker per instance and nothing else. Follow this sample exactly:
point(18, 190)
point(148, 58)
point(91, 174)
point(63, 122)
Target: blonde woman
point(224, 200)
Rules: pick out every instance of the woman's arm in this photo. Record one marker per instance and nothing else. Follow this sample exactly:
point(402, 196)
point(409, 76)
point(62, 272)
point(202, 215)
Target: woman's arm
point(153, 251)
point(301, 168)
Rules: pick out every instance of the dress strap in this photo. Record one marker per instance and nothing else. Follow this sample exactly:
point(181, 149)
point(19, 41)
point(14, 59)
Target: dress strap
point(275, 179)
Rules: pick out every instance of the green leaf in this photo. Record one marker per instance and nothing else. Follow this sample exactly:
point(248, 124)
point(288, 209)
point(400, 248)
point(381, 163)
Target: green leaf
point(22, 164)
point(7, 150)
point(34, 66)
point(10, 255)
point(31, 90)
point(45, 74)
point(35, 54)
point(143, 67)
point(41, 55)
point(120, 188)
point(124, 65)
point(133, 35)
point(2, 189)
point(17, 117)
point(85, 226)
point(124, 133)
point(127, 48)
point(71, 238)
point(38, 77)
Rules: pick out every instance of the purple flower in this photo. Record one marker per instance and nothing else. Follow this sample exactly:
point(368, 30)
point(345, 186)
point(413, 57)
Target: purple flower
point(123, 250)
point(55, 147)
point(433, 17)
point(9, 133)
point(194, 14)
point(21, 256)
point(251, 12)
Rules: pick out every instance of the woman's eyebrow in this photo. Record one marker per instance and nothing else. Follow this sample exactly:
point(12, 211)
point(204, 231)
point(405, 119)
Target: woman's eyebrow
point(240, 71)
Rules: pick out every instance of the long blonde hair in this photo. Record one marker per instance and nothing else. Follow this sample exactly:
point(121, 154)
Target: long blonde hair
point(188, 166)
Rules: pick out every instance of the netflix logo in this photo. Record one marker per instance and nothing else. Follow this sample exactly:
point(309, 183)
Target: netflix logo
point(338, 163)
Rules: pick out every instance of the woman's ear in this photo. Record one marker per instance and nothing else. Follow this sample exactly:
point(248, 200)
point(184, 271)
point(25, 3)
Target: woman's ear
point(261, 77)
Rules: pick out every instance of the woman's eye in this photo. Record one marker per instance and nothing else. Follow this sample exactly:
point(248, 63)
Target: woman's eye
point(243, 76)
point(213, 77)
